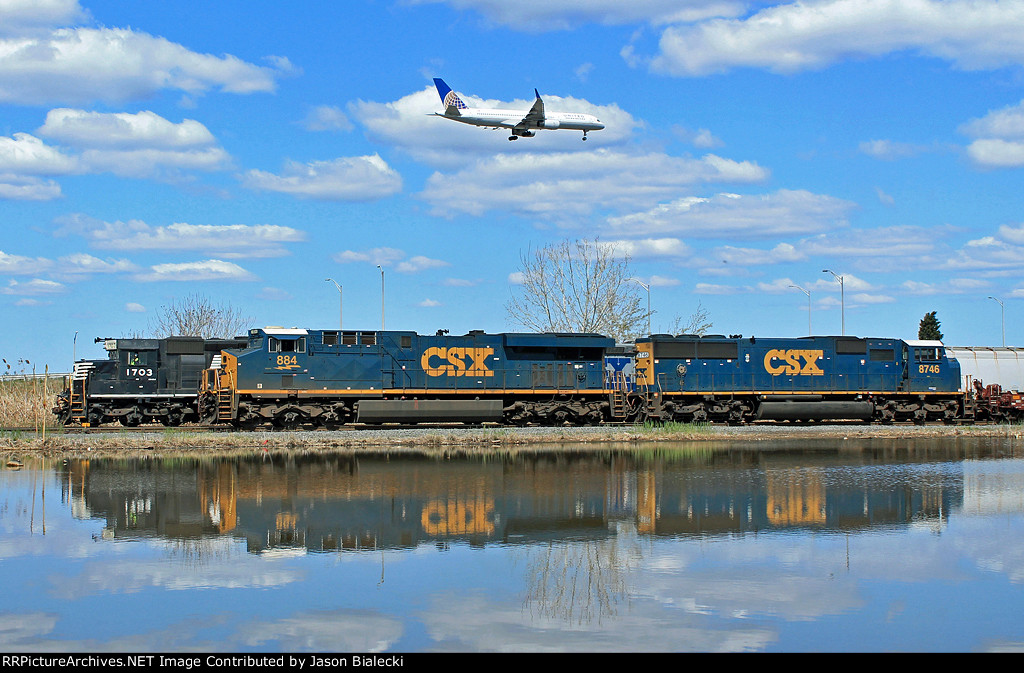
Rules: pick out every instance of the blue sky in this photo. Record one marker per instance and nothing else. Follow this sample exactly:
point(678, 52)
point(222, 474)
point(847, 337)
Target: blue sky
point(249, 150)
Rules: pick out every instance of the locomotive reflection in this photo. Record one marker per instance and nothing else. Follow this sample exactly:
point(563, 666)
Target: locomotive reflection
point(340, 503)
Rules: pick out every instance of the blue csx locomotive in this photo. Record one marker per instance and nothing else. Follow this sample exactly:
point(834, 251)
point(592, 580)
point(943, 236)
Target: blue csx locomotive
point(298, 377)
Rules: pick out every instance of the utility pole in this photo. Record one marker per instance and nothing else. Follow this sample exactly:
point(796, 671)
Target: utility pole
point(1002, 311)
point(341, 307)
point(808, 293)
point(842, 297)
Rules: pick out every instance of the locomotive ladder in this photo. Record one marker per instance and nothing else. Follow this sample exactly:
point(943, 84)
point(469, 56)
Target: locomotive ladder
point(76, 393)
point(225, 396)
point(618, 397)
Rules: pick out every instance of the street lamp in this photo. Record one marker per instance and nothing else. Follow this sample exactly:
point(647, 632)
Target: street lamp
point(382, 296)
point(340, 300)
point(842, 297)
point(1002, 310)
point(808, 293)
point(648, 288)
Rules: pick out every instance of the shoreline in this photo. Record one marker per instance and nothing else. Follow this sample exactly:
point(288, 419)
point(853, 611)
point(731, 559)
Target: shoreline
point(449, 440)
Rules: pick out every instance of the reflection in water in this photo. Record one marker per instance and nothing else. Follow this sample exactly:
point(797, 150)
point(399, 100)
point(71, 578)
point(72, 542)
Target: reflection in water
point(586, 536)
point(344, 503)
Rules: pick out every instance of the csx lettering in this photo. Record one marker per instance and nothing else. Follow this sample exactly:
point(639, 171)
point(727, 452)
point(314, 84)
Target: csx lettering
point(456, 361)
point(777, 361)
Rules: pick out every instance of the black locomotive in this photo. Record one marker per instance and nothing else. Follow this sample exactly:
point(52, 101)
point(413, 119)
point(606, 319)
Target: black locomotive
point(141, 381)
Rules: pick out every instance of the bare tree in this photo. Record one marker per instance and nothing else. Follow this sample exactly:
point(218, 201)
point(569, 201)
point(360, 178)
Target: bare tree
point(579, 286)
point(698, 323)
point(198, 315)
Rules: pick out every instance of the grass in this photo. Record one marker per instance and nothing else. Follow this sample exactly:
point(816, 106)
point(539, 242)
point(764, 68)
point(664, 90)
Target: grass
point(675, 428)
point(27, 403)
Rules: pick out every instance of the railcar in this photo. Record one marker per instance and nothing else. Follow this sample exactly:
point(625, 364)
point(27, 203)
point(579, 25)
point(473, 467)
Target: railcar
point(324, 378)
point(140, 381)
point(741, 380)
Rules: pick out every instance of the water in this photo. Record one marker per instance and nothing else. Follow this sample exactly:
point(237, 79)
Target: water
point(842, 546)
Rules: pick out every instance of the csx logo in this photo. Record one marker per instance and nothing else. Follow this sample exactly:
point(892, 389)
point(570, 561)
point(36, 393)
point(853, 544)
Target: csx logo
point(456, 361)
point(777, 361)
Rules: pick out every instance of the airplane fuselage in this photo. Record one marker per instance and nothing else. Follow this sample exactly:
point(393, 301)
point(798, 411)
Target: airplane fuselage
point(491, 118)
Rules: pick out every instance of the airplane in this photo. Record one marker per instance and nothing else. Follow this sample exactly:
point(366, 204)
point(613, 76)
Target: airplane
point(522, 124)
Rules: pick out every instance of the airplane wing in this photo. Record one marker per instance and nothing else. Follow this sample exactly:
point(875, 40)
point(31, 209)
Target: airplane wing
point(535, 117)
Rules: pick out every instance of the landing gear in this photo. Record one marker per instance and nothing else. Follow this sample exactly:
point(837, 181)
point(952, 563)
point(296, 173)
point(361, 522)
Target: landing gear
point(584, 136)
point(513, 137)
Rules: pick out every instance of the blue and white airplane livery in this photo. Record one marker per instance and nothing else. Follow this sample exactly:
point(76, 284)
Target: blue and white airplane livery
point(522, 124)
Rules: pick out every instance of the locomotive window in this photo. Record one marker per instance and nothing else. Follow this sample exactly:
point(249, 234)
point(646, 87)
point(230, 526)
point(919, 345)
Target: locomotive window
point(882, 354)
point(407, 342)
point(288, 345)
point(929, 354)
point(330, 338)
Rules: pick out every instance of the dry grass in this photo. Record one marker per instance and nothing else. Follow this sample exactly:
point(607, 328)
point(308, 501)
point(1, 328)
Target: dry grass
point(27, 403)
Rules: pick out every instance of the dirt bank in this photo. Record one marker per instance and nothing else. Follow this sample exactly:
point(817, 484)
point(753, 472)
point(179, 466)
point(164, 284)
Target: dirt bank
point(434, 440)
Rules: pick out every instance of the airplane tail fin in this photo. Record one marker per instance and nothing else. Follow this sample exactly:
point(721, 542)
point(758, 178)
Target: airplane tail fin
point(451, 100)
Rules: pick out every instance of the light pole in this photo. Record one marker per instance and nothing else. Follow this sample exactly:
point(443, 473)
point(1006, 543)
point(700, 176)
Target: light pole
point(341, 306)
point(381, 297)
point(808, 293)
point(1002, 311)
point(74, 348)
point(647, 287)
point(842, 297)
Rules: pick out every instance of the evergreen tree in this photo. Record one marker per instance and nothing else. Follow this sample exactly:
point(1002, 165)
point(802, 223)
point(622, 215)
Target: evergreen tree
point(929, 328)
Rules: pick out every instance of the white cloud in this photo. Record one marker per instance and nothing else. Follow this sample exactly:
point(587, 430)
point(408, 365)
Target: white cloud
point(890, 150)
point(25, 154)
point(365, 178)
point(274, 294)
point(946, 287)
point(388, 257)
point(650, 247)
point(996, 153)
point(566, 186)
point(786, 212)
point(230, 241)
point(419, 263)
point(382, 256)
point(549, 15)
point(326, 118)
point(27, 188)
point(972, 34)
point(14, 265)
point(36, 286)
point(429, 303)
point(208, 270)
point(133, 307)
point(81, 263)
point(18, 17)
point(82, 128)
point(116, 64)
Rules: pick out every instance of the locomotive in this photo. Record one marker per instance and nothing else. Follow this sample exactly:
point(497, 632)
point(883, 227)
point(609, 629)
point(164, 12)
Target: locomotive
point(817, 378)
point(290, 378)
point(141, 380)
point(296, 377)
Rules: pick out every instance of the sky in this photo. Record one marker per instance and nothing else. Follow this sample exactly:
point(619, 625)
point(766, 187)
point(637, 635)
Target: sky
point(249, 151)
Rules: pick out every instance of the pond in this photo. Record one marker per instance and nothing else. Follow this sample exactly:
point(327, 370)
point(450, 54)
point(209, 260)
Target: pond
point(868, 545)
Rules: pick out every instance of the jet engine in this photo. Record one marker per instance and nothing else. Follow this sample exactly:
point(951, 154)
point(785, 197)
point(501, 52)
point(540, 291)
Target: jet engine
point(550, 124)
